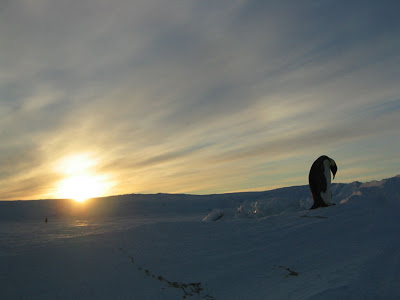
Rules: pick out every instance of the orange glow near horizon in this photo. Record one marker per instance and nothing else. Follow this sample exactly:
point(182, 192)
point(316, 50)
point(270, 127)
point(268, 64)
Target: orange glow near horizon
point(80, 181)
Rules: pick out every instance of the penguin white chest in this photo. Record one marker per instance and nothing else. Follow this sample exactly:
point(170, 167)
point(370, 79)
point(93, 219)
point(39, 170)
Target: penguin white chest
point(327, 195)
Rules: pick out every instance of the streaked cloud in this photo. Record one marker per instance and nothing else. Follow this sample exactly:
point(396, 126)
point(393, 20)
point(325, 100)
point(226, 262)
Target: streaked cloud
point(197, 96)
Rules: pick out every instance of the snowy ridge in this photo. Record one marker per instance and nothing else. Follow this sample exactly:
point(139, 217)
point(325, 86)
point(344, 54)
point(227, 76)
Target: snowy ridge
point(247, 204)
point(385, 191)
point(262, 245)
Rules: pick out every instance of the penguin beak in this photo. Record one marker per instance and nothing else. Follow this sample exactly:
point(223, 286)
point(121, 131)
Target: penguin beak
point(334, 170)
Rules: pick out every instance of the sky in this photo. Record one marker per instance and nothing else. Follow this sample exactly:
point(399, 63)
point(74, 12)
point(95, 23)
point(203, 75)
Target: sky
point(195, 97)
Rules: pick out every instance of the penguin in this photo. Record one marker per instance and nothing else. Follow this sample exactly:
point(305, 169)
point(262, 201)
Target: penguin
point(319, 179)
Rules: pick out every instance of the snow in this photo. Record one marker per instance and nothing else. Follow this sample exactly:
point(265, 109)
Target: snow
point(214, 215)
point(261, 245)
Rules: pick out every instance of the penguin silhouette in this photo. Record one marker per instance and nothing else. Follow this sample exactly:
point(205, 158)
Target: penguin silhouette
point(319, 179)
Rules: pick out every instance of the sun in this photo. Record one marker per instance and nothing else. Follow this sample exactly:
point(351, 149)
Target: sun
point(81, 187)
point(80, 181)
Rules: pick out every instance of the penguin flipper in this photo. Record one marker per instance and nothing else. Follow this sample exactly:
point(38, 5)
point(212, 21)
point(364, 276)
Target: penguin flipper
point(324, 184)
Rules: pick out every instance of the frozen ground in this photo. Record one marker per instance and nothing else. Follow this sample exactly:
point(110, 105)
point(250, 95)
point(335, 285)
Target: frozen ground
point(261, 246)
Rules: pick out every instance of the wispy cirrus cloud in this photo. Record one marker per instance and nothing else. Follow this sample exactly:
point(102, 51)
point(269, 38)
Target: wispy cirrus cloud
point(198, 96)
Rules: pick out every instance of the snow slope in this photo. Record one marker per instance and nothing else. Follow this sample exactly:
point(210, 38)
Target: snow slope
point(263, 245)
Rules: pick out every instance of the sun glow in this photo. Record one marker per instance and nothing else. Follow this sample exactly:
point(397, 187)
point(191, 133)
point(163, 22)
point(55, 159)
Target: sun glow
point(81, 187)
point(80, 181)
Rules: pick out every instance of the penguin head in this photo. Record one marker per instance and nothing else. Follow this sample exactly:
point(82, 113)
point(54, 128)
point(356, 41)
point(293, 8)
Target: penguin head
point(333, 167)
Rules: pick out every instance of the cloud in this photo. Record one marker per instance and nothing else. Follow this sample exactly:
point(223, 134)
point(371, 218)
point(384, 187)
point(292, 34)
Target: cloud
point(158, 89)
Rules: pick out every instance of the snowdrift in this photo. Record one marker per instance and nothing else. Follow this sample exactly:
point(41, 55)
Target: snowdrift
point(247, 204)
point(261, 245)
